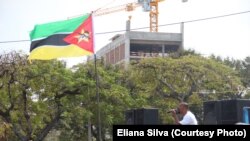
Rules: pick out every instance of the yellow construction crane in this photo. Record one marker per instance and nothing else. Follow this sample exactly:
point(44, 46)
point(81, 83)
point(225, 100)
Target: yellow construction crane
point(124, 7)
point(154, 15)
point(150, 6)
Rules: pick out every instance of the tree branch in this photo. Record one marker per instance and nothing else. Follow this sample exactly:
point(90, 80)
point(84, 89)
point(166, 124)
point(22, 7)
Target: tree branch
point(11, 81)
point(168, 86)
point(68, 92)
point(26, 114)
point(48, 127)
point(52, 123)
point(169, 95)
point(173, 94)
point(193, 87)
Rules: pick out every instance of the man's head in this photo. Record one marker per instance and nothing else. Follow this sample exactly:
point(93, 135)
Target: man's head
point(183, 108)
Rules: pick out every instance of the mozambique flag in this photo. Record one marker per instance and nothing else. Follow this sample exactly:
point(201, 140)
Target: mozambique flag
point(68, 38)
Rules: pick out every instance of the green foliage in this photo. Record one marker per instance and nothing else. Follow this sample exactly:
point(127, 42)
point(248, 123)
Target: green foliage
point(242, 67)
point(114, 100)
point(190, 78)
point(45, 97)
point(30, 94)
point(245, 72)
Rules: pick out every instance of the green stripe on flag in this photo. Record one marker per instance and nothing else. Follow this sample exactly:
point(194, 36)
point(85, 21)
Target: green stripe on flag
point(44, 30)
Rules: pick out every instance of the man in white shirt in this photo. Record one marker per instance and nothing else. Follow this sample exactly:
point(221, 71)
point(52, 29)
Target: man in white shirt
point(188, 117)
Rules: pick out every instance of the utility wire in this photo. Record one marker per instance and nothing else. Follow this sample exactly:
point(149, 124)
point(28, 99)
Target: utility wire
point(2, 42)
point(104, 5)
point(197, 20)
point(116, 31)
point(216, 17)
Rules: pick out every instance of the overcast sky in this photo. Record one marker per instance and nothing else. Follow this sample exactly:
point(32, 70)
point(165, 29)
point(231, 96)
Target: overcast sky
point(227, 37)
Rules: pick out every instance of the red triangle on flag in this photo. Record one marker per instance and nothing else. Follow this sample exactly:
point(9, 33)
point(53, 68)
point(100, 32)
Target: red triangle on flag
point(83, 36)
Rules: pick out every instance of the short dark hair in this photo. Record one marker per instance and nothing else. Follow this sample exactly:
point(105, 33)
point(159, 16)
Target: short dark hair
point(184, 104)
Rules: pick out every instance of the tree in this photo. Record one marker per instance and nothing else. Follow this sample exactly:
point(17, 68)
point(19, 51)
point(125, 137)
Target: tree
point(114, 100)
point(165, 81)
point(31, 94)
point(243, 69)
point(45, 96)
point(246, 72)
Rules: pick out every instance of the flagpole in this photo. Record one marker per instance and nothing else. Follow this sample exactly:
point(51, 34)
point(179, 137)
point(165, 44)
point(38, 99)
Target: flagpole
point(99, 133)
point(98, 103)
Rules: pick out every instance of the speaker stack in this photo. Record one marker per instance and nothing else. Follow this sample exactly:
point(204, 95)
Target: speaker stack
point(142, 116)
point(224, 111)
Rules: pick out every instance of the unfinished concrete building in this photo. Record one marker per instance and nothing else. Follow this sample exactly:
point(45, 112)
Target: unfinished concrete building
point(133, 46)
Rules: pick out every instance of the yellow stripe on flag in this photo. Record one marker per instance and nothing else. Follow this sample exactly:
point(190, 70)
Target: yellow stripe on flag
point(48, 52)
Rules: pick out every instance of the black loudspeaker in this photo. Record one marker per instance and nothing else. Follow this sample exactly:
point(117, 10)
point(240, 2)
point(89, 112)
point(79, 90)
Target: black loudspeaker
point(142, 116)
point(233, 111)
point(212, 110)
point(224, 111)
point(130, 117)
point(146, 116)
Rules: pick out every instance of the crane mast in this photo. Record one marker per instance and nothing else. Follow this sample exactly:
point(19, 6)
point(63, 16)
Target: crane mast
point(154, 16)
